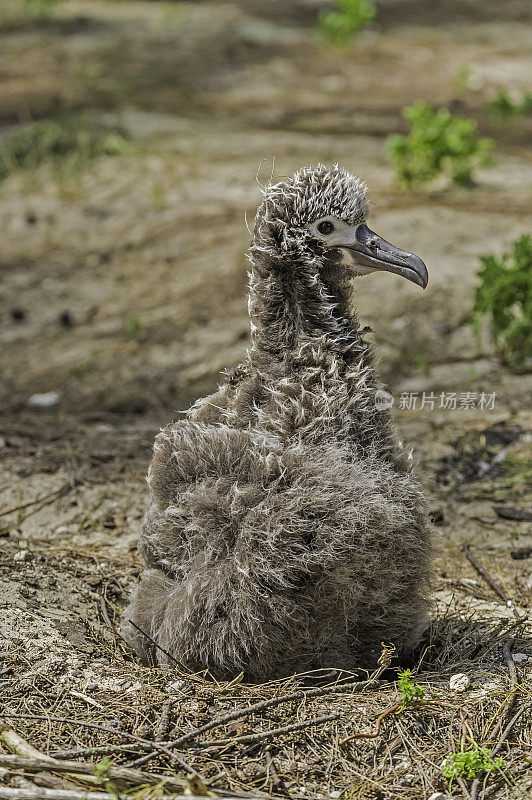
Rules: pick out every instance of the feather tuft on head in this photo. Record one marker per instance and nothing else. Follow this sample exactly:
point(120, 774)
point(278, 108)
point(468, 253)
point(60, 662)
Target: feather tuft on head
point(312, 193)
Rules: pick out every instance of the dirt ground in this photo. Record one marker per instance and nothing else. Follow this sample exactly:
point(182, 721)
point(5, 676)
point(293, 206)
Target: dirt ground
point(123, 291)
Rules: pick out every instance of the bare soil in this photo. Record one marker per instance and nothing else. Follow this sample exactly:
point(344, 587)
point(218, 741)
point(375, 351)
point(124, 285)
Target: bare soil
point(123, 290)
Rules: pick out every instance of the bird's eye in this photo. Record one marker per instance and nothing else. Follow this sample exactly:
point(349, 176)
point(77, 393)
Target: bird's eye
point(325, 227)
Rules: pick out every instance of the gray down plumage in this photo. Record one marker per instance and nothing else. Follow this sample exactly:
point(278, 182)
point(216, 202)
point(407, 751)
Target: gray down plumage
point(286, 529)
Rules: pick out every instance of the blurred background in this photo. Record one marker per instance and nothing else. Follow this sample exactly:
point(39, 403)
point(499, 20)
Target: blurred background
point(132, 138)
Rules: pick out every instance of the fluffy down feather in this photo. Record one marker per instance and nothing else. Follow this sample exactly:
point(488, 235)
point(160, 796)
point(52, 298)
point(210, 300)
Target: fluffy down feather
point(286, 530)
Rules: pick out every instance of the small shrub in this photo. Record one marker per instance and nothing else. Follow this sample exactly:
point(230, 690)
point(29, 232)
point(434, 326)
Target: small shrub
point(349, 17)
point(504, 297)
point(502, 108)
point(437, 143)
point(67, 144)
point(158, 195)
point(409, 692)
point(470, 762)
point(133, 326)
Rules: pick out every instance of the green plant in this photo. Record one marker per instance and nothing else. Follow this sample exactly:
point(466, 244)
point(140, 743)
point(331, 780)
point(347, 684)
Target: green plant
point(437, 143)
point(101, 768)
point(68, 144)
point(158, 195)
point(504, 296)
point(468, 763)
point(133, 326)
point(502, 108)
point(421, 363)
point(409, 692)
point(41, 9)
point(461, 79)
point(349, 17)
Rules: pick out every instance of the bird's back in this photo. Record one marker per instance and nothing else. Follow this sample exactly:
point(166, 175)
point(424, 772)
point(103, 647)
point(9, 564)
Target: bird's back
point(268, 526)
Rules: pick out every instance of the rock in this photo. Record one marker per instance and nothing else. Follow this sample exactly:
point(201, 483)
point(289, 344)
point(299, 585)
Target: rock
point(460, 682)
point(131, 686)
point(62, 529)
point(175, 686)
point(22, 555)
point(519, 658)
point(44, 400)
point(521, 553)
point(440, 796)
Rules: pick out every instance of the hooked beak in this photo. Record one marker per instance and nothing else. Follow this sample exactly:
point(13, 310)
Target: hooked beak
point(371, 250)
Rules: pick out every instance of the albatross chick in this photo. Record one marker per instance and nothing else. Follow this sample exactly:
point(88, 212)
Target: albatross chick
point(286, 530)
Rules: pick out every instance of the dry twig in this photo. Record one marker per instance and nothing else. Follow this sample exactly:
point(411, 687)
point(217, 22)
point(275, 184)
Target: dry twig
point(354, 686)
point(162, 730)
point(164, 722)
point(155, 644)
point(482, 571)
point(510, 704)
point(112, 773)
point(113, 732)
point(46, 499)
point(17, 744)
point(65, 794)
point(259, 737)
point(276, 779)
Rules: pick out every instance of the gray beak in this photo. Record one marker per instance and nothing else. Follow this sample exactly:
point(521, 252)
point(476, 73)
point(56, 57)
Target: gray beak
point(370, 250)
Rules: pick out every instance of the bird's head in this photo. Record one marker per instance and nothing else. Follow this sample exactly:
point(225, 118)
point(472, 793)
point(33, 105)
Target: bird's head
point(318, 218)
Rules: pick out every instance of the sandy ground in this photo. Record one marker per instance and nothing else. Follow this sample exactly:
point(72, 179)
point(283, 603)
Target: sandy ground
point(122, 288)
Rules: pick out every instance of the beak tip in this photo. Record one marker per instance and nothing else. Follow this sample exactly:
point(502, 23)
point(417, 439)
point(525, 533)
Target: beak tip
point(420, 270)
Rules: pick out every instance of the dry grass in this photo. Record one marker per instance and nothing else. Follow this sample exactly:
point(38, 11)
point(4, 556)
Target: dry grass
point(403, 761)
point(72, 689)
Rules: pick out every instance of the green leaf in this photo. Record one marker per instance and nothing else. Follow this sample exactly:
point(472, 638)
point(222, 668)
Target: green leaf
point(341, 25)
point(470, 762)
point(437, 143)
point(409, 692)
point(504, 298)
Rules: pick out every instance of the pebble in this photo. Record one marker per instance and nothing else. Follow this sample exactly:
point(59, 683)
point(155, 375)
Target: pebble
point(440, 796)
point(519, 658)
point(22, 555)
point(62, 529)
point(44, 400)
point(175, 686)
point(460, 682)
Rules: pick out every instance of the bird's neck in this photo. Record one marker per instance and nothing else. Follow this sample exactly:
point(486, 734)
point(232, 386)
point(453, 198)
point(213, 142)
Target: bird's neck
point(293, 307)
point(304, 332)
